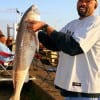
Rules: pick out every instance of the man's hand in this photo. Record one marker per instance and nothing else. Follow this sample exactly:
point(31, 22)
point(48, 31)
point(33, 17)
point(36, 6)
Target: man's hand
point(35, 25)
point(39, 25)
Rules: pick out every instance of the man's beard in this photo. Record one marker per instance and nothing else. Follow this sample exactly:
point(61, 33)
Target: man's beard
point(82, 13)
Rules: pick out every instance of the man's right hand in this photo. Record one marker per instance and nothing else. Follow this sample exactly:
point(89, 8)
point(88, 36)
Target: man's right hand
point(35, 25)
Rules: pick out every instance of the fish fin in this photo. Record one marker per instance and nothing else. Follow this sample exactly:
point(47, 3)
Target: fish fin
point(37, 42)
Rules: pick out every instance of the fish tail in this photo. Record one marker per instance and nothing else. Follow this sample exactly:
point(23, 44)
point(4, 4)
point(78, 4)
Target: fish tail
point(19, 79)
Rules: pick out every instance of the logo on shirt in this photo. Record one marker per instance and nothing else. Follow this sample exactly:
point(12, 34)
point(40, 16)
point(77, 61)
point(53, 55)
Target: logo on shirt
point(76, 84)
point(69, 33)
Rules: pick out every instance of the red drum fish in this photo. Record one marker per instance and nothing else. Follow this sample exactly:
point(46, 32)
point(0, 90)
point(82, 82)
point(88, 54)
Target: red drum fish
point(26, 45)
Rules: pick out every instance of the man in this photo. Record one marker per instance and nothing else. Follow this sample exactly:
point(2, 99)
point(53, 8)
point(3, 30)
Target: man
point(78, 43)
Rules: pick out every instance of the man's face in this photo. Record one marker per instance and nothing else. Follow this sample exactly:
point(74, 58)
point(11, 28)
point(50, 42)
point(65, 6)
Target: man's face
point(86, 7)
